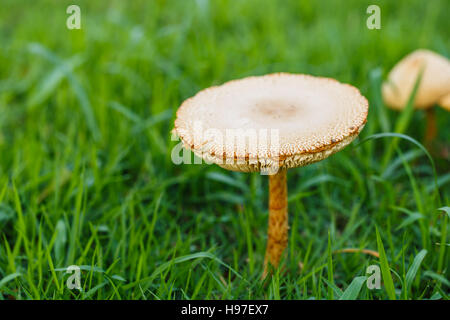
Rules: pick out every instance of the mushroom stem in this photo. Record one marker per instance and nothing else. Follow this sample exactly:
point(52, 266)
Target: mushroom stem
point(278, 219)
point(431, 130)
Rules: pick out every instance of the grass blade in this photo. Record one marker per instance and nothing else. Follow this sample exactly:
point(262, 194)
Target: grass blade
point(403, 121)
point(385, 271)
point(412, 271)
point(352, 291)
point(330, 269)
point(8, 278)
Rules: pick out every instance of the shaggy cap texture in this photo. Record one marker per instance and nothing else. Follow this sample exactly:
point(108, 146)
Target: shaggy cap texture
point(434, 84)
point(277, 120)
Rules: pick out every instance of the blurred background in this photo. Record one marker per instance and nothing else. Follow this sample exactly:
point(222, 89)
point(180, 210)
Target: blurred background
point(86, 176)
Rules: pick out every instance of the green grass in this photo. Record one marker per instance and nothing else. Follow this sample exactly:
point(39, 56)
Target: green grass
point(86, 176)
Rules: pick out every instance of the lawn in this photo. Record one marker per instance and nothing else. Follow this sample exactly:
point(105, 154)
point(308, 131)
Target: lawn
point(86, 176)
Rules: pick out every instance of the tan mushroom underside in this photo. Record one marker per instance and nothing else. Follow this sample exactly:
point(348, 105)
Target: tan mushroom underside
point(434, 84)
point(445, 102)
point(290, 161)
point(314, 117)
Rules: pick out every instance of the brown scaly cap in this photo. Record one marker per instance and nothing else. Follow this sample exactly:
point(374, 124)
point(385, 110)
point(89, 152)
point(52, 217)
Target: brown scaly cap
point(313, 118)
point(434, 84)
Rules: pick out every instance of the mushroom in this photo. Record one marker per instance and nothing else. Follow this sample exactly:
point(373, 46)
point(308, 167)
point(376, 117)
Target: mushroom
point(445, 102)
point(434, 84)
point(269, 124)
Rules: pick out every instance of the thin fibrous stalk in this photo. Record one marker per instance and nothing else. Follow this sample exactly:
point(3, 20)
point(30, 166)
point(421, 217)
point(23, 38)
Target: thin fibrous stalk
point(277, 239)
point(430, 128)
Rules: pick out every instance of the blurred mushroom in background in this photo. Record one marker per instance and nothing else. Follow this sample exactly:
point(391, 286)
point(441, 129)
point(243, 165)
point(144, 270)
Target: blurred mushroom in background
point(434, 85)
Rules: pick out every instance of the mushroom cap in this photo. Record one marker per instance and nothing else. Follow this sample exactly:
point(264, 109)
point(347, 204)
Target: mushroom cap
point(445, 102)
point(297, 120)
point(435, 81)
